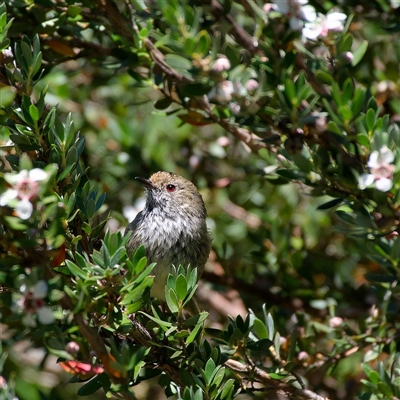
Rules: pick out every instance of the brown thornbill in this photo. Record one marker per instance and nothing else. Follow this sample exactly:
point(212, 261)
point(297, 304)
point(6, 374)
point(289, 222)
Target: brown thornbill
point(172, 227)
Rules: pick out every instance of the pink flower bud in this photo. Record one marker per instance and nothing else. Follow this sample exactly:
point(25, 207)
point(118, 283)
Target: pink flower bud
point(221, 64)
point(72, 348)
point(252, 85)
point(334, 322)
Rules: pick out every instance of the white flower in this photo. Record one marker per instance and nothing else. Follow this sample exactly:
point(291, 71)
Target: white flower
point(222, 92)
point(321, 25)
point(381, 168)
point(298, 12)
point(335, 20)
point(32, 303)
point(311, 30)
point(25, 187)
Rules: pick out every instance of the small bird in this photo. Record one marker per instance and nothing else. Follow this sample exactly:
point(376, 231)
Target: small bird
point(172, 227)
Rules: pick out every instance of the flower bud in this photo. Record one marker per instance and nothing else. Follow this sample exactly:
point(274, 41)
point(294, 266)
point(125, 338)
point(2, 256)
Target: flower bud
point(3, 383)
point(72, 348)
point(221, 64)
point(252, 85)
point(347, 57)
point(334, 322)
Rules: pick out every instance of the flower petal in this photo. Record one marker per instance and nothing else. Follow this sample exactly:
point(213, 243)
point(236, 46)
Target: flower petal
point(24, 209)
point(386, 155)
point(8, 195)
point(311, 30)
point(45, 315)
point(40, 289)
point(334, 25)
point(308, 13)
point(384, 184)
point(373, 160)
point(365, 180)
point(37, 174)
point(336, 16)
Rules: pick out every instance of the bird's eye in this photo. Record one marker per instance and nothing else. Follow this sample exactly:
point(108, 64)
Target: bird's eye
point(171, 188)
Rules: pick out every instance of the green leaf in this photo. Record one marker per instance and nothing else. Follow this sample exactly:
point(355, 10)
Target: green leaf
point(193, 334)
point(25, 162)
point(291, 174)
point(232, 54)
point(330, 204)
point(363, 139)
point(138, 255)
point(7, 95)
point(290, 90)
point(172, 300)
point(203, 43)
point(181, 287)
point(27, 54)
point(189, 45)
point(91, 387)
point(370, 119)
point(385, 389)
point(270, 326)
point(90, 208)
point(145, 272)
point(140, 266)
point(345, 112)
point(117, 256)
point(345, 43)
point(72, 156)
point(332, 127)
point(346, 217)
point(75, 270)
point(15, 223)
point(324, 77)
point(177, 62)
point(74, 11)
point(209, 370)
point(134, 299)
point(359, 52)
point(260, 329)
point(358, 102)
point(196, 319)
point(158, 321)
point(227, 389)
point(163, 103)
point(37, 64)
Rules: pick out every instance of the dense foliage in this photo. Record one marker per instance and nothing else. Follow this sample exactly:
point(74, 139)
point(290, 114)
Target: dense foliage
point(285, 115)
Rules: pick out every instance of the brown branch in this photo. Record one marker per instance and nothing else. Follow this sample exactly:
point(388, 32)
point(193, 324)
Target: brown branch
point(247, 41)
point(109, 10)
point(138, 333)
point(92, 336)
point(142, 336)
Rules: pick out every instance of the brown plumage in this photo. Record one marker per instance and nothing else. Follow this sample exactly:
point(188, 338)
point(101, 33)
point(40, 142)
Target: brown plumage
point(172, 227)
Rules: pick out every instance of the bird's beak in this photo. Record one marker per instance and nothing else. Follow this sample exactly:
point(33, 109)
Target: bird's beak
point(146, 182)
